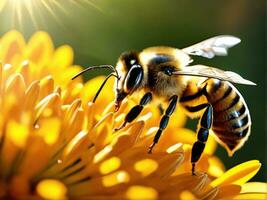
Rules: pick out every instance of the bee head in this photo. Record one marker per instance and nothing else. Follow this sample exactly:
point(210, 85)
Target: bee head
point(130, 76)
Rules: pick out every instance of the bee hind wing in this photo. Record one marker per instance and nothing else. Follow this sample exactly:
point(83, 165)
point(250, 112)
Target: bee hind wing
point(215, 46)
point(211, 72)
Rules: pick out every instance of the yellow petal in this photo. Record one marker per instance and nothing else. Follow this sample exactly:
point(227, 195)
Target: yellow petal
point(49, 129)
point(210, 194)
point(169, 138)
point(105, 97)
point(66, 75)
point(186, 181)
point(102, 131)
point(12, 45)
point(178, 135)
point(17, 133)
point(40, 48)
point(239, 174)
point(46, 86)
point(51, 189)
point(110, 165)
point(254, 187)
point(187, 195)
point(63, 57)
point(115, 178)
point(227, 191)
point(71, 113)
point(48, 106)
point(100, 185)
point(141, 192)
point(211, 145)
point(250, 196)
point(168, 164)
point(146, 166)
point(216, 167)
point(24, 70)
point(20, 186)
point(120, 143)
point(78, 144)
point(16, 85)
point(32, 94)
point(178, 118)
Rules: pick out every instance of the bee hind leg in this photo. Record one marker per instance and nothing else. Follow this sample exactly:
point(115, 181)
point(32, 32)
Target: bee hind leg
point(202, 134)
point(164, 121)
point(136, 110)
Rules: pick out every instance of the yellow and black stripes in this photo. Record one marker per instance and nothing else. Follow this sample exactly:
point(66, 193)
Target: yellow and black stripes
point(231, 116)
point(232, 121)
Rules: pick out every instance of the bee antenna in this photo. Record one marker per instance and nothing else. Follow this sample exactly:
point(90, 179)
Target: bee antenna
point(102, 85)
point(96, 67)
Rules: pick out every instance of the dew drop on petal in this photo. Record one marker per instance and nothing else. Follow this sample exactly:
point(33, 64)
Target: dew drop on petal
point(25, 62)
point(36, 126)
point(90, 103)
point(7, 66)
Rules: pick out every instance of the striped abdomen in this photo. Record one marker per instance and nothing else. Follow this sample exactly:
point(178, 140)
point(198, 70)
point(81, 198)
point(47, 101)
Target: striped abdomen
point(231, 118)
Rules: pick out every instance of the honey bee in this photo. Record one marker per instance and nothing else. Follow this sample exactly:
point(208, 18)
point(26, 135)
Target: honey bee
point(205, 92)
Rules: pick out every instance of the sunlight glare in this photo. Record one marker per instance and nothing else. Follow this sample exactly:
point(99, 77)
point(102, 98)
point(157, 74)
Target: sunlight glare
point(21, 11)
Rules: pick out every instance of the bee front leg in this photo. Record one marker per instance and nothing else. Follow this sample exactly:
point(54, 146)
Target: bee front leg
point(202, 134)
point(136, 110)
point(164, 121)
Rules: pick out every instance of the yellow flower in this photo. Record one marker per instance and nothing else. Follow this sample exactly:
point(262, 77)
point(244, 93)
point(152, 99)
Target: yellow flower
point(56, 145)
point(37, 59)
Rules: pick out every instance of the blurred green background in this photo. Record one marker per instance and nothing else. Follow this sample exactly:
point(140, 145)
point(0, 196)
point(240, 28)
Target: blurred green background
point(100, 30)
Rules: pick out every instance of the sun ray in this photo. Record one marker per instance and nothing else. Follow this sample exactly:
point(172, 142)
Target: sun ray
point(27, 13)
point(90, 3)
point(19, 14)
point(29, 6)
point(60, 7)
point(13, 14)
point(80, 3)
point(48, 7)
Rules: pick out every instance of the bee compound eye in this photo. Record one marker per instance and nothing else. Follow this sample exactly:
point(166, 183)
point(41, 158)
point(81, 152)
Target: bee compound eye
point(168, 71)
point(133, 78)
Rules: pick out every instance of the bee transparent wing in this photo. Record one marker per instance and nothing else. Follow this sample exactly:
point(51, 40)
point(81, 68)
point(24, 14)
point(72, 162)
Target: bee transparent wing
point(215, 46)
point(211, 72)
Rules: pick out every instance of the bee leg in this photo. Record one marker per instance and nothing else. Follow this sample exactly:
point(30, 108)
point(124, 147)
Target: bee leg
point(164, 121)
point(202, 134)
point(136, 110)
